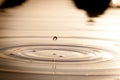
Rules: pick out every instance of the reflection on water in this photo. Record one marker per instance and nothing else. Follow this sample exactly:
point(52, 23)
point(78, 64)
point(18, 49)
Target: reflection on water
point(29, 48)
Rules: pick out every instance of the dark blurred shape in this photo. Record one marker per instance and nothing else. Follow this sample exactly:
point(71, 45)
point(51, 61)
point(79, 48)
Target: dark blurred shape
point(94, 8)
point(11, 3)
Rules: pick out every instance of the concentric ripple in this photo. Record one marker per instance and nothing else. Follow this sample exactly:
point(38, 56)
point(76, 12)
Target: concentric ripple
point(63, 55)
point(59, 53)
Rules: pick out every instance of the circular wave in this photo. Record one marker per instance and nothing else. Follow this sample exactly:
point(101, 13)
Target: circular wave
point(59, 53)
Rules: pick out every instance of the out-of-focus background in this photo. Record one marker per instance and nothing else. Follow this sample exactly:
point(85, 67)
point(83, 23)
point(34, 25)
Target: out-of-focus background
point(49, 18)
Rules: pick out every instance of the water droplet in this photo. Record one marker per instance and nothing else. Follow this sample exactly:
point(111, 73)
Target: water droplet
point(34, 51)
point(90, 21)
point(60, 56)
point(54, 54)
point(55, 38)
point(11, 54)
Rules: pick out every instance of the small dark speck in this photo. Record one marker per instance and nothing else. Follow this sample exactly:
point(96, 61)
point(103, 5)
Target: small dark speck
point(54, 54)
point(91, 20)
point(34, 51)
point(60, 56)
point(11, 54)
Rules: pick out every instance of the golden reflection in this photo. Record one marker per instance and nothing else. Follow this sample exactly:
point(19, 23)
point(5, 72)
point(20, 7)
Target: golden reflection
point(57, 27)
point(115, 3)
